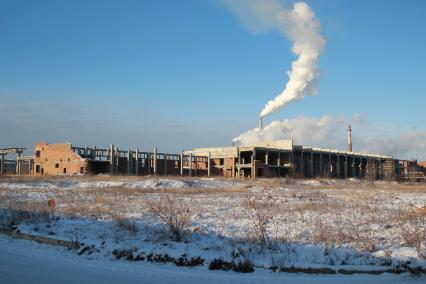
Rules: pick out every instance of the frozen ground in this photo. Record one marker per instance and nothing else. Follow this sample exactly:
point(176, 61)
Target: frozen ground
point(312, 223)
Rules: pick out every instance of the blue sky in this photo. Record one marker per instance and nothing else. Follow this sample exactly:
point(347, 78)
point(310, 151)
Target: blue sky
point(184, 74)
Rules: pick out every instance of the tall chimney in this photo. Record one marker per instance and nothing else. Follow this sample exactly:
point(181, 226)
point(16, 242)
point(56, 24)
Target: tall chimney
point(349, 138)
point(261, 122)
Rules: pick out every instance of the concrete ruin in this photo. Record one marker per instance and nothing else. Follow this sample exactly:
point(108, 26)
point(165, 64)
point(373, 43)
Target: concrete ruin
point(266, 159)
point(284, 159)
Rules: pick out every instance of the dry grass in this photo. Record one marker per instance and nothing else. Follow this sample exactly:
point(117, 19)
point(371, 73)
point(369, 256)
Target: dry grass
point(365, 215)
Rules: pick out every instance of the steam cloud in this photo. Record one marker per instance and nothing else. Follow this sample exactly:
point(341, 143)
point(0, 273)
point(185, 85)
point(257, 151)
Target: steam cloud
point(302, 27)
point(328, 131)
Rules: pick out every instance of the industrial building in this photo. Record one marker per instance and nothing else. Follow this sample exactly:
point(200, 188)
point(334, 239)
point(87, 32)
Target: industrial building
point(264, 159)
point(267, 159)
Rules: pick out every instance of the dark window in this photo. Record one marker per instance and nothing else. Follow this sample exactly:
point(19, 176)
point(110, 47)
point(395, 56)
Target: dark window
point(38, 153)
point(65, 170)
point(259, 172)
point(37, 168)
point(222, 162)
point(42, 171)
point(81, 170)
point(57, 166)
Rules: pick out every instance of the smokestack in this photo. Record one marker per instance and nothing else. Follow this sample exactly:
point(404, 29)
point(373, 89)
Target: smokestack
point(261, 122)
point(349, 138)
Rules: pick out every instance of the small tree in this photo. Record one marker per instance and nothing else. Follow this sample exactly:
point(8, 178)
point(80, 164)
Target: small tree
point(175, 213)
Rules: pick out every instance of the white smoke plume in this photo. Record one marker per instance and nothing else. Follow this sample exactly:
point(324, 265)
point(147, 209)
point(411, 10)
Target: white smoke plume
point(302, 27)
point(329, 131)
point(307, 131)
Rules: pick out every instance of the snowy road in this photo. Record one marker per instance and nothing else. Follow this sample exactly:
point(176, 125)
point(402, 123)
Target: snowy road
point(28, 262)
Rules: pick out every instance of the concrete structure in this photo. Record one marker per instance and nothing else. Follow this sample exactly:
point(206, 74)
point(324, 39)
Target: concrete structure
point(65, 159)
point(8, 166)
point(267, 159)
point(284, 159)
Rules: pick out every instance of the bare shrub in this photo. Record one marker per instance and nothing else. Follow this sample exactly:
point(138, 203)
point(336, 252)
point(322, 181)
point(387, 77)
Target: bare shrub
point(260, 214)
point(175, 213)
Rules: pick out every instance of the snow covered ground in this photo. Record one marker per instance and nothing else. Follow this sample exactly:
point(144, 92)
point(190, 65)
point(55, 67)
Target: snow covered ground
point(351, 225)
point(26, 262)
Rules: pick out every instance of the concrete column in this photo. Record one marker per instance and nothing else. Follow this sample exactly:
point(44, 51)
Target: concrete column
point(353, 166)
point(190, 164)
point(330, 165)
point(94, 153)
point(117, 159)
point(111, 159)
point(148, 163)
point(267, 157)
point(346, 166)
point(165, 164)
point(129, 162)
point(233, 167)
point(2, 165)
point(238, 155)
point(155, 161)
point(320, 164)
point(195, 165)
point(137, 163)
point(253, 167)
point(208, 164)
point(279, 163)
point(181, 164)
point(338, 165)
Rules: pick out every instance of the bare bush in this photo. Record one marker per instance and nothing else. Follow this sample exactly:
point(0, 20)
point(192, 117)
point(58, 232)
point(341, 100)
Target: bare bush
point(259, 214)
point(174, 212)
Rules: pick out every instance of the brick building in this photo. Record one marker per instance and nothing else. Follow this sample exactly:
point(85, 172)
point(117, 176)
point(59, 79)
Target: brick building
point(57, 159)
